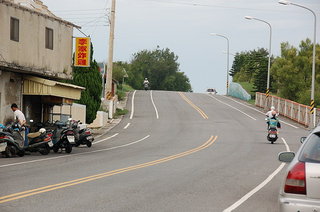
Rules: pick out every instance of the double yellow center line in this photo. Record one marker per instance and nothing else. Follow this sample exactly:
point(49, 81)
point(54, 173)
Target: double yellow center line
point(194, 106)
point(48, 188)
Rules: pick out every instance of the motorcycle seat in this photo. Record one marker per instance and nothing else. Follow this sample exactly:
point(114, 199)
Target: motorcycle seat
point(34, 135)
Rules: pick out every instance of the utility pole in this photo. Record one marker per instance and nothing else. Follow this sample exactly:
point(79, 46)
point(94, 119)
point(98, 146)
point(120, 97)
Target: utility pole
point(110, 51)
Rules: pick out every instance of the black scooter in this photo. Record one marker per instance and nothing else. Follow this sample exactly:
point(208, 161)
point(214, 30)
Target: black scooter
point(272, 134)
point(63, 137)
point(82, 136)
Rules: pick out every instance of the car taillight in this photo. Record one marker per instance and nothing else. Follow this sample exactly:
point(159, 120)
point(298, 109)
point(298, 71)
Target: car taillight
point(296, 180)
point(88, 133)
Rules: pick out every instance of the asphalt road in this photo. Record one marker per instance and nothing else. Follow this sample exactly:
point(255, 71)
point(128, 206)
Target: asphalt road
point(172, 152)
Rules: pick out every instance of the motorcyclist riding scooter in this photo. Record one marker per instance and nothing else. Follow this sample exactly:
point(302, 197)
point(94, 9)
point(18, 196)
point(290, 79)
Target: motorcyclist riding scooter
point(146, 84)
point(273, 124)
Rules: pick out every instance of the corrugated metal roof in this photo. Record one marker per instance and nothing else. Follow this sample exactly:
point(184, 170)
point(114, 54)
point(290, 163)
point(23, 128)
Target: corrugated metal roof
point(40, 86)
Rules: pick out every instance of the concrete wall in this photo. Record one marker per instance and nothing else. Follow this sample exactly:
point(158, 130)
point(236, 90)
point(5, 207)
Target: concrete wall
point(100, 121)
point(78, 112)
point(30, 51)
point(10, 92)
point(75, 111)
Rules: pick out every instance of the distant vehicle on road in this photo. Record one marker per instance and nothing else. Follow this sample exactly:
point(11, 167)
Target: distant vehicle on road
point(212, 91)
point(301, 188)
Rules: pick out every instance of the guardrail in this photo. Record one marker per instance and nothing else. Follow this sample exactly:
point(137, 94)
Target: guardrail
point(293, 110)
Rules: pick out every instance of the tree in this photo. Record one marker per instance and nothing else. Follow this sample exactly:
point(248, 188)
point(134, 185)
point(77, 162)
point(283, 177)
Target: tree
point(91, 79)
point(251, 67)
point(161, 68)
point(292, 72)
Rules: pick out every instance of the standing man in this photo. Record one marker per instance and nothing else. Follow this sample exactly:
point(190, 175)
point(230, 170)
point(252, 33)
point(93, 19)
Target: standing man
point(19, 116)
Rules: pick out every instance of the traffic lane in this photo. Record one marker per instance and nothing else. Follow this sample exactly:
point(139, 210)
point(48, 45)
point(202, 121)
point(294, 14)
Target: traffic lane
point(255, 135)
point(63, 200)
point(266, 199)
point(293, 134)
point(247, 153)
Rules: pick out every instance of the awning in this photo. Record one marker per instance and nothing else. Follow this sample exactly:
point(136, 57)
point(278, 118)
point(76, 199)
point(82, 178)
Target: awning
point(39, 86)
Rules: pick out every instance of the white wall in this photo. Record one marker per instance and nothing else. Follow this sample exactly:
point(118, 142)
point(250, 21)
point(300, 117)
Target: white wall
point(30, 51)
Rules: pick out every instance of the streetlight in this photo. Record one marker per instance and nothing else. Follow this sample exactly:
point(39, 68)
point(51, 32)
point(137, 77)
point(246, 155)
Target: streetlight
point(216, 34)
point(312, 105)
point(269, 59)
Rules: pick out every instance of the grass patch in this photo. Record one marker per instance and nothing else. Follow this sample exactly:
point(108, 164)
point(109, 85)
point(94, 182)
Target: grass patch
point(122, 89)
point(120, 112)
point(252, 101)
point(249, 87)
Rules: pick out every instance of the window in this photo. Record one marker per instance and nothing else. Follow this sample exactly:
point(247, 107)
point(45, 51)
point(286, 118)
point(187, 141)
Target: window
point(311, 150)
point(49, 38)
point(14, 29)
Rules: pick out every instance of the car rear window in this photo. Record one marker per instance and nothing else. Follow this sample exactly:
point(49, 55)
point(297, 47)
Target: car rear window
point(311, 150)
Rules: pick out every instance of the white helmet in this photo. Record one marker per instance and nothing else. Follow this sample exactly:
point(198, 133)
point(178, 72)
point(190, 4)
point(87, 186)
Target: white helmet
point(42, 130)
point(273, 108)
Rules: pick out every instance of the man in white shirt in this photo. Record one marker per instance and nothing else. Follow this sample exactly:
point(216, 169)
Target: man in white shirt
point(19, 116)
point(269, 113)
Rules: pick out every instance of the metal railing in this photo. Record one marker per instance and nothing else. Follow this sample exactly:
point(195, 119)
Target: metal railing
point(290, 109)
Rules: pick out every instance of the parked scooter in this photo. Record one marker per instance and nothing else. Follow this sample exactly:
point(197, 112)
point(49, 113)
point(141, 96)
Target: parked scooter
point(16, 145)
point(8, 145)
point(82, 136)
point(39, 142)
point(63, 137)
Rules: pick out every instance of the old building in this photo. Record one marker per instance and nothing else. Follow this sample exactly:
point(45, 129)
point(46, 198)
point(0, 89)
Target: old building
point(35, 54)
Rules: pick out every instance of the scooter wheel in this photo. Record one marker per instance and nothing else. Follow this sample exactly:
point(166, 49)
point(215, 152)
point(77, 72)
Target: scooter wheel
point(68, 148)
point(55, 148)
point(89, 143)
point(21, 153)
point(45, 150)
point(8, 152)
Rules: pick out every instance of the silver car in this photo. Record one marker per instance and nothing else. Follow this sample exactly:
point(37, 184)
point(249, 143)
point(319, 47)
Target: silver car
point(300, 190)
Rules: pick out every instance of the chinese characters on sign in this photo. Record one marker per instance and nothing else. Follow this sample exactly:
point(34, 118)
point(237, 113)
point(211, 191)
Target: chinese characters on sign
point(82, 55)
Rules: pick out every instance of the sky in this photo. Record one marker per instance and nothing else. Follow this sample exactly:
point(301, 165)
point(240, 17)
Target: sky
point(184, 26)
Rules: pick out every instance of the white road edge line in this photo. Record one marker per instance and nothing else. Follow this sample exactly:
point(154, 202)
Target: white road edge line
point(232, 107)
point(155, 108)
point(132, 105)
point(83, 153)
point(126, 126)
point(96, 142)
point(259, 111)
point(259, 187)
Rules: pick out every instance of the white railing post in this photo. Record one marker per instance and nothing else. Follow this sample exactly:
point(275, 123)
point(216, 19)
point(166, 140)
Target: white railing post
point(299, 111)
